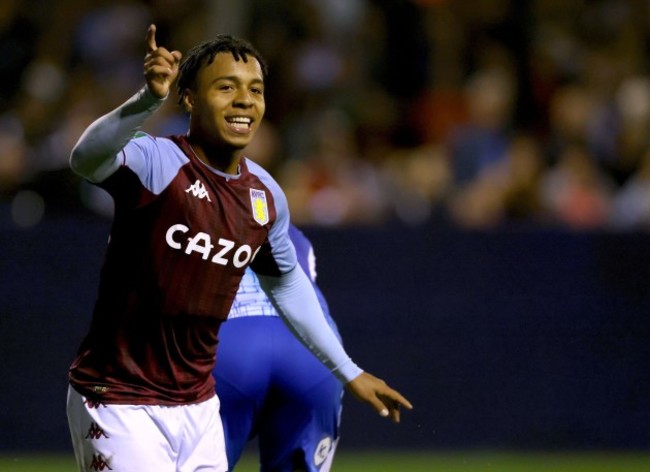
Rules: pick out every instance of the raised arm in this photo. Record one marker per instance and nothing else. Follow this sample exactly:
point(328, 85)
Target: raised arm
point(95, 156)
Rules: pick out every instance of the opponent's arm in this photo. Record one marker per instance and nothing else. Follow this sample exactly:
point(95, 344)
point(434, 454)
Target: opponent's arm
point(95, 156)
point(295, 300)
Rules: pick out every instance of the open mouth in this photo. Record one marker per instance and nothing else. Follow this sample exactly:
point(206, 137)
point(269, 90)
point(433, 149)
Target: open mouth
point(240, 123)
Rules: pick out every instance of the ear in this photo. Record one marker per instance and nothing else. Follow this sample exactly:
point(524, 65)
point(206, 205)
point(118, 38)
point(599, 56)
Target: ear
point(188, 100)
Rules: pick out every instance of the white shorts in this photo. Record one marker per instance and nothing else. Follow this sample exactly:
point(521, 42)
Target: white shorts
point(128, 438)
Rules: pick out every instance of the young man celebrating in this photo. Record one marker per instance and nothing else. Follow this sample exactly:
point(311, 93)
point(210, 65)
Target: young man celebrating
point(191, 213)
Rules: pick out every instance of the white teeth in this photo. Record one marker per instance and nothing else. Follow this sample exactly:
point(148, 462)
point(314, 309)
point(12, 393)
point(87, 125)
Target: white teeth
point(239, 122)
point(240, 119)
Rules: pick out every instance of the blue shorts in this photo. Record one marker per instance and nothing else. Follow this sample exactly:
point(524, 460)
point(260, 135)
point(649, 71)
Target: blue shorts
point(271, 387)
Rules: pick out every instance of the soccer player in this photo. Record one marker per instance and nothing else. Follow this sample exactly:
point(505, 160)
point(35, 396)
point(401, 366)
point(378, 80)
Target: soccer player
point(191, 213)
point(271, 387)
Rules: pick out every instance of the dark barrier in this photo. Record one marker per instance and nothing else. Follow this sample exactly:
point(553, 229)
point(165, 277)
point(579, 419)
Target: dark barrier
point(512, 339)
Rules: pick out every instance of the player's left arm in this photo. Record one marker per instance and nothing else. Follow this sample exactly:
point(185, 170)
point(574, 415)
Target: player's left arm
point(295, 300)
point(294, 297)
point(365, 385)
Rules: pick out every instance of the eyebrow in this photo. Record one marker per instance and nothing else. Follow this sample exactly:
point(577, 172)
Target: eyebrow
point(234, 78)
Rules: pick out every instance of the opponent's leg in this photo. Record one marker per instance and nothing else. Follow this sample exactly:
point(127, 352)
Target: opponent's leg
point(299, 427)
point(242, 377)
point(237, 417)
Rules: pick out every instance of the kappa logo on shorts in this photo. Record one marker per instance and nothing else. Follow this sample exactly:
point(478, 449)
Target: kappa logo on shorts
point(99, 463)
point(322, 450)
point(93, 403)
point(198, 190)
point(95, 432)
point(260, 208)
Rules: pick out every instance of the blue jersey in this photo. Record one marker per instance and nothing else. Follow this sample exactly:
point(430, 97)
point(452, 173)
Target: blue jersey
point(251, 299)
point(271, 387)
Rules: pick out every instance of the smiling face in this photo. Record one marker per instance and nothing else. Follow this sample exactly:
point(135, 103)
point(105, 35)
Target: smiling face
point(226, 105)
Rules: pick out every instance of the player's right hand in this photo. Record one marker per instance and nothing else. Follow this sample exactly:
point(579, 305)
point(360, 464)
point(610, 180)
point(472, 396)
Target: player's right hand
point(160, 65)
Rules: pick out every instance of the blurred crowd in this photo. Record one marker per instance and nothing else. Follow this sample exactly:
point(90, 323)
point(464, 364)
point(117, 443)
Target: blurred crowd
point(480, 114)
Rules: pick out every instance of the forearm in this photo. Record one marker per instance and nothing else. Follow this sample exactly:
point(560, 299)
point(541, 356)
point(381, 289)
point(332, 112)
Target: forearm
point(296, 302)
point(95, 156)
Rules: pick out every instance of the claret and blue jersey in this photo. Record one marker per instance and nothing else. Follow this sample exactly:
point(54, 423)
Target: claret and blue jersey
point(182, 236)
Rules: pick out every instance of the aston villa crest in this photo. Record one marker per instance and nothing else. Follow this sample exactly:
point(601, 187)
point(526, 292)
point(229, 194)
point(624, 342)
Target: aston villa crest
point(260, 208)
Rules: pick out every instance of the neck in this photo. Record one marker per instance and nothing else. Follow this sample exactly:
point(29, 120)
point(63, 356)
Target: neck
point(223, 158)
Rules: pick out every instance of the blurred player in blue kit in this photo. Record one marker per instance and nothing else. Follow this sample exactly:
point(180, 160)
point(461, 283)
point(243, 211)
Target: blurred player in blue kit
point(271, 387)
point(191, 214)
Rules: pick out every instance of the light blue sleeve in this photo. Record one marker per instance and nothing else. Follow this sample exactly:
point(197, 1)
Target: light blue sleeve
point(295, 299)
point(96, 155)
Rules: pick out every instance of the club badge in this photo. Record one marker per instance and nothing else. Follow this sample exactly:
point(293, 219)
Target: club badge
point(260, 208)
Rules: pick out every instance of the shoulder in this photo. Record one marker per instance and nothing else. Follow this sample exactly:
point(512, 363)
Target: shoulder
point(262, 174)
point(148, 146)
point(155, 160)
point(148, 142)
point(266, 179)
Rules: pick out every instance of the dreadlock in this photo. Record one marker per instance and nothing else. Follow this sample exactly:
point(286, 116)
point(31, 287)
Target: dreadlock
point(204, 53)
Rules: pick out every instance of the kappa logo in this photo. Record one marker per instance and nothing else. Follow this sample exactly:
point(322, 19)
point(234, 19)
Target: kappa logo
point(198, 190)
point(95, 432)
point(322, 451)
point(93, 403)
point(99, 463)
point(260, 208)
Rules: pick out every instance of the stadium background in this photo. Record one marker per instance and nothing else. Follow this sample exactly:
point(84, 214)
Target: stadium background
point(472, 175)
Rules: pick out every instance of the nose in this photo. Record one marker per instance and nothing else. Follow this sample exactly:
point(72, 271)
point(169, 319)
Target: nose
point(243, 98)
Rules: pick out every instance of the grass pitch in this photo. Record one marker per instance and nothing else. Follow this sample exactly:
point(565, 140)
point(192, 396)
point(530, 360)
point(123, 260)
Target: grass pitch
point(404, 461)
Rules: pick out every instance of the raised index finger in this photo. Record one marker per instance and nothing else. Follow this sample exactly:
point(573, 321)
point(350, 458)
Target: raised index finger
point(151, 39)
